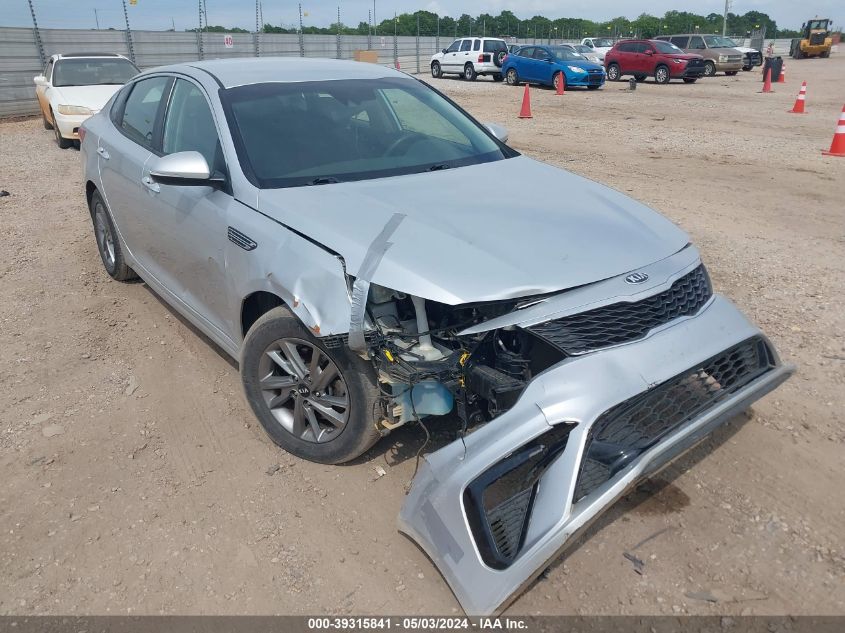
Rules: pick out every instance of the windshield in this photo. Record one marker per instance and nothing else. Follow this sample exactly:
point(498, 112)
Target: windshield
point(603, 42)
point(714, 41)
point(666, 47)
point(566, 54)
point(817, 24)
point(93, 72)
point(729, 42)
point(323, 132)
point(491, 46)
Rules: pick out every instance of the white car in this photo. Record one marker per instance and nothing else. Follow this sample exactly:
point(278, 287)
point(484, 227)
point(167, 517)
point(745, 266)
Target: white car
point(584, 51)
point(599, 45)
point(470, 57)
point(76, 85)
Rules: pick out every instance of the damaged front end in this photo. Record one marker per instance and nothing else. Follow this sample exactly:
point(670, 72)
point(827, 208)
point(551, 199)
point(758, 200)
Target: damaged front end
point(570, 399)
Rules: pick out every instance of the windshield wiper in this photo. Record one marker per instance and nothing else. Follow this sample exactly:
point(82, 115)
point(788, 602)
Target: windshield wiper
point(439, 167)
point(323, 180)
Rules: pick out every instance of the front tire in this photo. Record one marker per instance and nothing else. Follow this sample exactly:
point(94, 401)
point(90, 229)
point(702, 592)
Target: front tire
point(690, 80)
point(47, 124)
point(661, 75)
point(498, 77)
point(436, 70)
point(709, 69)
point(314, 403)
point(731, 73)
point(61, 141)
point(640, 78)
point(613, 72)
point(469, 73)
point(512, 77)
point(108, 244)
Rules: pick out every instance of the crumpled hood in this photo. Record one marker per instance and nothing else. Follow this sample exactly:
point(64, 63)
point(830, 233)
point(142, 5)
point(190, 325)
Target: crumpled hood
point(499, 230)
point(93, 97)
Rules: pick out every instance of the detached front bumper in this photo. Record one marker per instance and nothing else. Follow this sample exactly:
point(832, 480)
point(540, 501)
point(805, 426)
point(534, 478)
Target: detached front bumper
point(568, 421)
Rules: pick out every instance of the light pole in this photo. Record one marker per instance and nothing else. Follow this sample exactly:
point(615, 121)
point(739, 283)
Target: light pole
point(725, 17)
point(96, 19)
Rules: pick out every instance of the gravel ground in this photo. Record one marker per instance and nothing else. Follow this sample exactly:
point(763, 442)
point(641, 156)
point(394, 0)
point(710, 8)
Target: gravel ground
point(133, 478)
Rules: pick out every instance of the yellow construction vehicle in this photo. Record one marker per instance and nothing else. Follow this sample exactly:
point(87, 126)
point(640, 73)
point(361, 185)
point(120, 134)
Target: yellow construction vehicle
point(815, 40)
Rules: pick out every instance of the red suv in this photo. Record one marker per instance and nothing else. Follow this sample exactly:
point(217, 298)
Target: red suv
point(661, 60)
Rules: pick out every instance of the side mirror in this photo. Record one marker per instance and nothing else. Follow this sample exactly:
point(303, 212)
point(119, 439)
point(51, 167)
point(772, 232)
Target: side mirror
point(40, 80)
point(445, 50)
point(499, 131)
point(649, 52)
point(184, 169)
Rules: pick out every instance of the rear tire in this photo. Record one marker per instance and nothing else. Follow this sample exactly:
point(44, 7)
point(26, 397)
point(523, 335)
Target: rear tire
point(640, 78)
point(709, 69)
point(512, 77)
point(613, 72)
point(108, 242)
point(591, 87)
point(436, 70)
point(661, 74)
point(498, 77)
point(469, 73)
point(690, 80)
point(348, 397)
point(731, 73)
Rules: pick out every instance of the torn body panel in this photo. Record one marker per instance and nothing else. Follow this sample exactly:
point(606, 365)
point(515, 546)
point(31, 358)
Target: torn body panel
point(577, 392)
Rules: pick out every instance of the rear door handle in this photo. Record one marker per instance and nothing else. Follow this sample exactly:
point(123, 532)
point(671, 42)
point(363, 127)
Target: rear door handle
point(102, 152)
point(151, 184)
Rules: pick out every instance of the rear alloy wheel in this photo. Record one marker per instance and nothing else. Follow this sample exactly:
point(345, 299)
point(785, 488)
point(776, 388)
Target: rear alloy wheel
point(469, 73)
point(512, 77)
point(314, 403)
point(613, 72)
point(108, 244)
point(709, 69)
point(661, 75)
point(436, 71)
point(61, 141)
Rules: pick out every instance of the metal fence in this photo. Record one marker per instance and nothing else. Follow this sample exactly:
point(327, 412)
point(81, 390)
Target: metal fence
point(21, 58)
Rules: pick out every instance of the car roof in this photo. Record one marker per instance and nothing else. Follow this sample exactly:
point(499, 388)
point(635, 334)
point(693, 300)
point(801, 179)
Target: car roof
point(77, 55)
point(233, 72)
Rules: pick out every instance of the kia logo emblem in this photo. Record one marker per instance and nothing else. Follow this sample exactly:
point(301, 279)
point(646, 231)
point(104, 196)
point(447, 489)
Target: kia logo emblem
point(636, 278)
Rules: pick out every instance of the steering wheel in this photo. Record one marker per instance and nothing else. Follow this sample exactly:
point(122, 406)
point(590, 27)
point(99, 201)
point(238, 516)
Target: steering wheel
point(405, 141)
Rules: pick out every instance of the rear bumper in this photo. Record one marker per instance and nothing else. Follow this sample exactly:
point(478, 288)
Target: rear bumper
point(576, 392)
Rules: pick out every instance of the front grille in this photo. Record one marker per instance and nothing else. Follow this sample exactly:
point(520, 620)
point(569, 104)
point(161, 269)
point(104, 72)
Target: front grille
point(755, 58)
point(622, 433)
point(624, 322)
point(695, 62)
point(734, 58)
point(817, 39)
point(595, 78)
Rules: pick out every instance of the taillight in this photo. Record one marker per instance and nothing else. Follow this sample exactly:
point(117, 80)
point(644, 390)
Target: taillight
point(81, 133)
point(481, 59)
point(505, 58)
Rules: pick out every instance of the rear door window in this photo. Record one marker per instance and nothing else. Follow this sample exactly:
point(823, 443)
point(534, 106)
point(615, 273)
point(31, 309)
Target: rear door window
point(626, 47)
point(541, 53)
point(141, 110)
point(476, 45)
point(525, 51)
point(466, 45)
point(680, 42)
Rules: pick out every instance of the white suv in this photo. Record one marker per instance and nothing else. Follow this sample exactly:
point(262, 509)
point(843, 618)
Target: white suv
point(470, 57)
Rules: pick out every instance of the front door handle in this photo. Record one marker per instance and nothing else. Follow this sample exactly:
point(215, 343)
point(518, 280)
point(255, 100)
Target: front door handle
point(151, 184)
point(102, 152)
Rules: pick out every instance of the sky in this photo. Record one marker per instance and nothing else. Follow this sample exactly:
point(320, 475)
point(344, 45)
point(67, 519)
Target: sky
point(161, 14)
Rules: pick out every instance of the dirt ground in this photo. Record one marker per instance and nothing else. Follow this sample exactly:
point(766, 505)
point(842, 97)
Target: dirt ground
point(133, 478)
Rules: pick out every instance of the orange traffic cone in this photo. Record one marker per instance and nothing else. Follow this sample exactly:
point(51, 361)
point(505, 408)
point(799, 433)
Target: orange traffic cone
point(837, 147)
point(525, 112)
point(782, 78)
point(767, 84)
point(798, 108)
point(561, 90)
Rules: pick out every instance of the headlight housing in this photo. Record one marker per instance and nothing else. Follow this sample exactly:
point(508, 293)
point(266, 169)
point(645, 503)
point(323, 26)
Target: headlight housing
point(576, 69)
point(723, 59)
point(679, 61)
point(74, 110)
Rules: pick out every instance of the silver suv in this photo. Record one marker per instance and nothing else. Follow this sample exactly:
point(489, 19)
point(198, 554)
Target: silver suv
point(330, 225)
point(470, 57)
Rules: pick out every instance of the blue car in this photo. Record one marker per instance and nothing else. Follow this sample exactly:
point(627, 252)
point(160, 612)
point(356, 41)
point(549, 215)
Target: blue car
point(547, 65)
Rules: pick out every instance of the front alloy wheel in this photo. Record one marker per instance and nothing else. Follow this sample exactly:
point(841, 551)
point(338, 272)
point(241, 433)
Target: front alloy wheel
point(436, 71)
point(613, 73)
point(316, 403)
point(512, 77)
point(661, 75)
point(709, 69)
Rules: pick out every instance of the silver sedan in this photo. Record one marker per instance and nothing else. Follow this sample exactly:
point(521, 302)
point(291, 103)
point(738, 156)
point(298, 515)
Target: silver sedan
point(372, 257)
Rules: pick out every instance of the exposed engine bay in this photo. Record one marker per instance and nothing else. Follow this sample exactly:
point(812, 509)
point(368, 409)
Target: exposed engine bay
point(425, 368)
